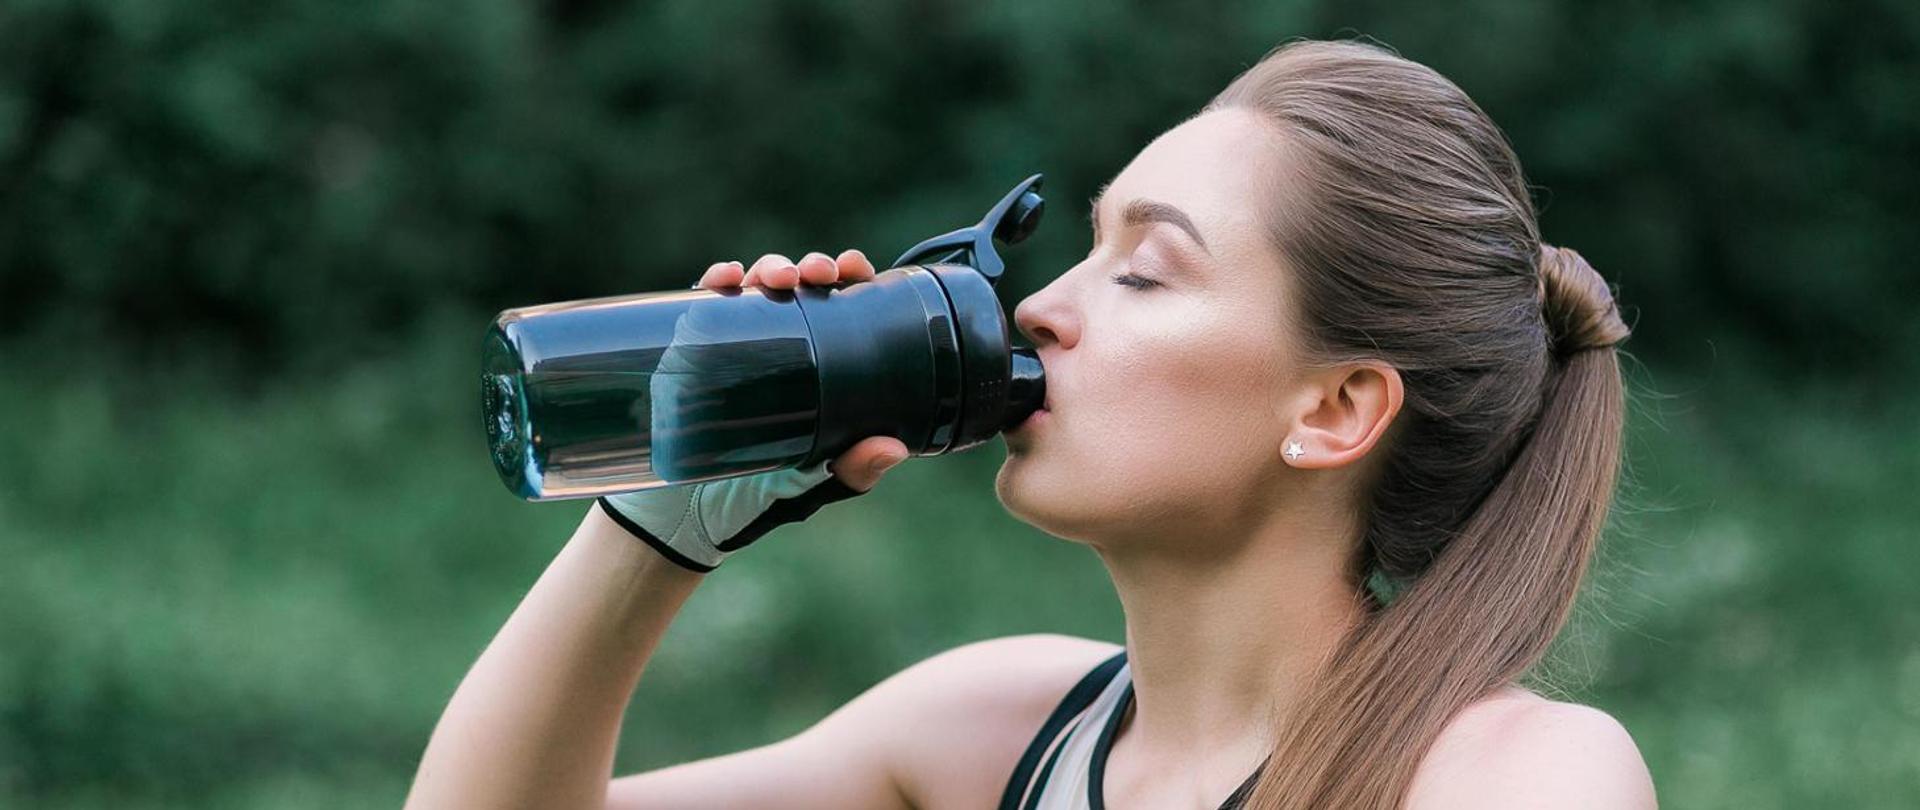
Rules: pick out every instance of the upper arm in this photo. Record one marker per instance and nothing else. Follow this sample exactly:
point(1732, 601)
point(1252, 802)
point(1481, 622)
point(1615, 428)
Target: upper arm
point(962, 715)
point(1534, 753)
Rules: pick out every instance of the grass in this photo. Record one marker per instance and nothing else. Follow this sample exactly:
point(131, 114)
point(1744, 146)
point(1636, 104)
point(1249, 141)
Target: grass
point(234, 592)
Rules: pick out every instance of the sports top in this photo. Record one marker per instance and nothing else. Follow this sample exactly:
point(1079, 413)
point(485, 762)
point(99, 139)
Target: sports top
point(1070, 772)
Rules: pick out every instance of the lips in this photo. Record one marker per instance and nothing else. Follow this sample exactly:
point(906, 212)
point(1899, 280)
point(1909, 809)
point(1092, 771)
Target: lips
point(1038, 415)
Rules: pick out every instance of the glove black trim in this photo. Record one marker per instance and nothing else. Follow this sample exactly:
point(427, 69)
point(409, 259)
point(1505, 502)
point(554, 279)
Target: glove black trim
point(659, 545)
point(789, 510)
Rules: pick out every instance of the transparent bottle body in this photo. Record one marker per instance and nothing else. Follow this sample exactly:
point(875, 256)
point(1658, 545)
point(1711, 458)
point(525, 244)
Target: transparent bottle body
point(607, 395)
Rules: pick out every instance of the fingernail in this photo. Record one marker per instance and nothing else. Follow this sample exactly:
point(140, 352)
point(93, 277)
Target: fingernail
point(886, 463)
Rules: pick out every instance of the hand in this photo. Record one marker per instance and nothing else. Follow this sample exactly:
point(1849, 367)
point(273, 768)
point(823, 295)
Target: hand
point(775, 271)
point(699, 525)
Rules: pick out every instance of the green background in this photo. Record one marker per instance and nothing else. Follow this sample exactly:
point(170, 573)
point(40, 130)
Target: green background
point(251, 541)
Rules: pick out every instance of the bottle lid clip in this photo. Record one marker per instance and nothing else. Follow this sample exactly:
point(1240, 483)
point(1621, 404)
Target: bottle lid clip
point(1011, 220)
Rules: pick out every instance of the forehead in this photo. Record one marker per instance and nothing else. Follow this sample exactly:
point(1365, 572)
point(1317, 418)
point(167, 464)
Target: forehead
point(1216, 167)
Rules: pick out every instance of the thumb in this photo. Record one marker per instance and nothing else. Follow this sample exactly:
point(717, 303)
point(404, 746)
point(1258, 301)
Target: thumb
point(861, 466)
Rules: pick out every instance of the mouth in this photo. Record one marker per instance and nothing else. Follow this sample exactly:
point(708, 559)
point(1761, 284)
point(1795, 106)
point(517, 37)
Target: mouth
point(1039, 415)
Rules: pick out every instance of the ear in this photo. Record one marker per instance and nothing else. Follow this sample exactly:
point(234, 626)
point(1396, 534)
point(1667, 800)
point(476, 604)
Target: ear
point(1339, 414)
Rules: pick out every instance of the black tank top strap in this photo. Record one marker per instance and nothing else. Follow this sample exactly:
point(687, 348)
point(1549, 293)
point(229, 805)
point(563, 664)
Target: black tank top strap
point(1096, 777)
point(1238, 798)
point(1078, 698)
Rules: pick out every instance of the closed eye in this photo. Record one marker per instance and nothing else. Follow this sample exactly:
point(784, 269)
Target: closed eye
point(1135, 282)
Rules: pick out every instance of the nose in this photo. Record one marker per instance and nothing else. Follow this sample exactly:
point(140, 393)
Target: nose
point(1044, 318)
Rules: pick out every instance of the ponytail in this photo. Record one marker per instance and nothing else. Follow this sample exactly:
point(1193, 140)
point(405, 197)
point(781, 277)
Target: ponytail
point(1413, 239)
point(1485, 611)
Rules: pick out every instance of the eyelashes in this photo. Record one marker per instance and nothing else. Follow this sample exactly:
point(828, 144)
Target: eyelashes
point(1129, 280)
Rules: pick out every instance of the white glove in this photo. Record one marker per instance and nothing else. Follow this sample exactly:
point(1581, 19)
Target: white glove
point(698, 525)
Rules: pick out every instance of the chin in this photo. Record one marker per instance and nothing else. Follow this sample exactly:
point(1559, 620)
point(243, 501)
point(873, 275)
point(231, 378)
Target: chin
point(1019, 492)
point(1044, 501)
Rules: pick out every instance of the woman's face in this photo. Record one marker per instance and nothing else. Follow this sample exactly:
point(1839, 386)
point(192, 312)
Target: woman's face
point(1165, 350)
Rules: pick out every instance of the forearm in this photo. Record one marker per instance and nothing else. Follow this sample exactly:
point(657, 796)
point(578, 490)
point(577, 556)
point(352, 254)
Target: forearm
point(536, 719)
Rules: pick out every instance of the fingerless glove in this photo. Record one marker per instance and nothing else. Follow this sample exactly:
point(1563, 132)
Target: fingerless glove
point(698, 525)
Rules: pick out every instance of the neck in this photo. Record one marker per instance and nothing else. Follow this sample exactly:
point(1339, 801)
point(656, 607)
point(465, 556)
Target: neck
point(1221, 646)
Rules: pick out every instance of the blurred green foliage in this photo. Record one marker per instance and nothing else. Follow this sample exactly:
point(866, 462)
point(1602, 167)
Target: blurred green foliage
point(302, 176)
point(248, 248)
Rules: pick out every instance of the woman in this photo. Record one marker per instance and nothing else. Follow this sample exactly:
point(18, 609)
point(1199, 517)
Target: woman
point(1343, 431)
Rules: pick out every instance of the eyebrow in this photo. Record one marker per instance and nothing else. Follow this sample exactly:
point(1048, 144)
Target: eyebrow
point(1142, 211)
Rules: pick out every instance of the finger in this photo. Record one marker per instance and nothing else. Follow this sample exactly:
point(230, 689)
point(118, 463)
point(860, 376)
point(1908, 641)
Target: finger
point(770, 271)
point(856, 467)
point(723, 274)
point(818, 268)
point(854, 266)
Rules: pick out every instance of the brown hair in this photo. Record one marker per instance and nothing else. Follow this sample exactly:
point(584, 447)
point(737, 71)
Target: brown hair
point(1413, 242)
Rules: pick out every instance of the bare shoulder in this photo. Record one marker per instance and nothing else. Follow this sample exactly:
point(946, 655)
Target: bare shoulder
point(942, 733)
point(969, 712)
point(1516, 749)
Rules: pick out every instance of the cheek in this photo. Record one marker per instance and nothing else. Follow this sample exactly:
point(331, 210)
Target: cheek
point(1174, 414)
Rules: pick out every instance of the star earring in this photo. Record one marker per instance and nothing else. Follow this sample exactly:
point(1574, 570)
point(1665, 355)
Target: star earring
point(1293, 450)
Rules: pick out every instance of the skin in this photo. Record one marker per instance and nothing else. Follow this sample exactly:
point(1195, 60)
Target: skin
point(1171, 410)
point(1163, 450)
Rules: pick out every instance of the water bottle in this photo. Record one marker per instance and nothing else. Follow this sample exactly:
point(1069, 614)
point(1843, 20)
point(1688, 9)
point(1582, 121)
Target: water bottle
point(606, 395)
